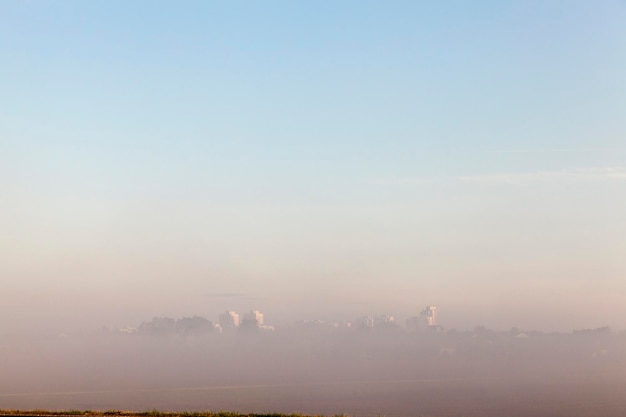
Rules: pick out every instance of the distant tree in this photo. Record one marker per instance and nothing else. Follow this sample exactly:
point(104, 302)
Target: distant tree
point(195, 325)
point(600, 331)
point(482, 331)
point(158, 326)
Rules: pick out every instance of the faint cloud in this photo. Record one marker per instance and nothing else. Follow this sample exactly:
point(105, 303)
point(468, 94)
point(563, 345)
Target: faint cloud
point(551, 150)
point(578, 175)
point(559, 176)
point(405, 180)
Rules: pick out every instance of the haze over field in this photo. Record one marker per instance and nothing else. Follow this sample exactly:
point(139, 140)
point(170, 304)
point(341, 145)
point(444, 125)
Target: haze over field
point(367, 369)
point(313, 160)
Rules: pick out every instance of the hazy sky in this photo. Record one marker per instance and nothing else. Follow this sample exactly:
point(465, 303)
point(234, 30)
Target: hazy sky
point(313, 159)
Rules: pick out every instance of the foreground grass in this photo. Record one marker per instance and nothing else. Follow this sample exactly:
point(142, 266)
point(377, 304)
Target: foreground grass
point(153, 413)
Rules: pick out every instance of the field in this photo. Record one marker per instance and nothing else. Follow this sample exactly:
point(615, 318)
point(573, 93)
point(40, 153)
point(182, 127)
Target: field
point(484, 397)
point(153, 413)
point(361, 375)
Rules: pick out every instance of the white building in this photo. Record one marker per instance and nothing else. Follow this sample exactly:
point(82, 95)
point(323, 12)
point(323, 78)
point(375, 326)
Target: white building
point(254, 316)
point(426, 320)
point(229, 319)
point(430, 315)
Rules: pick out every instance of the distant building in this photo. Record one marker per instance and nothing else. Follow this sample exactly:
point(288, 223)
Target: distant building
point(430, 314)
point(127, 330)
point(229, 319)
point(365, 322)
point(254, 321)
point(427, 320)
point(384, 321)
point(254, 316)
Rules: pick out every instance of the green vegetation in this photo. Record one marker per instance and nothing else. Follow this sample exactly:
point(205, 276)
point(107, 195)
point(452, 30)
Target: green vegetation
point(152, 413)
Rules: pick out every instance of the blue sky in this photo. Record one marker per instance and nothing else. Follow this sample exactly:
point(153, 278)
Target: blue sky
point(296, 151)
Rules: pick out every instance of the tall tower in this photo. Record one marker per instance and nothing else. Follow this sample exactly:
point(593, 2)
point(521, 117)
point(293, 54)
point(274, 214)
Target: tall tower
point(430, 315)
point(255, 316)
point(229, 319)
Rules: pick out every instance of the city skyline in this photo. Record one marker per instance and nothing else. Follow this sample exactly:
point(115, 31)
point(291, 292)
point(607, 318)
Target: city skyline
point(342, 208)
point(314, 160)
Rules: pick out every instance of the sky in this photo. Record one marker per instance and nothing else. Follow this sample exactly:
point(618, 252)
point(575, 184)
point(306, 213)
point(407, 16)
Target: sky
point(313, 160)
